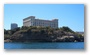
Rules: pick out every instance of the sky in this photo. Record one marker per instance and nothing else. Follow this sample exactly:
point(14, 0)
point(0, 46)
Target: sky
point(71, 15)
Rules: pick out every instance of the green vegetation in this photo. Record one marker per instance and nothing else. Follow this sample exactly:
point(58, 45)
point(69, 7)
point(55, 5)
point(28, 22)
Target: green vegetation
point(42, 34)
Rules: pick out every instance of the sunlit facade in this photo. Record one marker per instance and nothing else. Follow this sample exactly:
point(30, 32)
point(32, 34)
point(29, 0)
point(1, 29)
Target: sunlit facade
point(31, 21)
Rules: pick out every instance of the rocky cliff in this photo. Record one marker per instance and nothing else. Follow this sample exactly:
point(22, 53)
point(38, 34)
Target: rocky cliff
point(44, 34)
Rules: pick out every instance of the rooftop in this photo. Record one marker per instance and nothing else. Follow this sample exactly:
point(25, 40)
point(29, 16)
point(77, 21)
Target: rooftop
point(39, 18)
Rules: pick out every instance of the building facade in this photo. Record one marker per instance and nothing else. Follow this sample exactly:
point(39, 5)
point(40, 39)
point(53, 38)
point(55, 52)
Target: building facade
point(31, 21)
point(13, 26)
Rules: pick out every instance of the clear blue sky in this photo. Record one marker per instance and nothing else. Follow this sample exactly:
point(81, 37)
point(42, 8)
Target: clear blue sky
point(71, 15)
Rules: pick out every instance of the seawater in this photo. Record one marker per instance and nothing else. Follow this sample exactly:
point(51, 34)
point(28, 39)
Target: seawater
point(49, 45)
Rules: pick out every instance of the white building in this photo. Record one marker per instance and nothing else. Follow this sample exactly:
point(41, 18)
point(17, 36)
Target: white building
point(13, 26)
point(31, 21)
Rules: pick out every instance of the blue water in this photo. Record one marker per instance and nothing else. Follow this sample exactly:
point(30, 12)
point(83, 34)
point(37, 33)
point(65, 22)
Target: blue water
point(57, 45)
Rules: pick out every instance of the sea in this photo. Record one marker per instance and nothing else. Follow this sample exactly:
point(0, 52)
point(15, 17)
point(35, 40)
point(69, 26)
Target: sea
point(44, 45)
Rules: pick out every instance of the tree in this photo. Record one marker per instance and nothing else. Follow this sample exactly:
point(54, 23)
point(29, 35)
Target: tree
point(67, 29)
point(15, 30)
point(5, 31)
point(24, 28)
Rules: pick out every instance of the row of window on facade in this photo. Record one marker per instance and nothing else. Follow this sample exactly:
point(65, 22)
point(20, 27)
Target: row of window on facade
point(40, 24)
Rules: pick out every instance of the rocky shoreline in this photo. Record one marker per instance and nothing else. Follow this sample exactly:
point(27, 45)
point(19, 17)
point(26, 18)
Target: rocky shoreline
point(42, 34)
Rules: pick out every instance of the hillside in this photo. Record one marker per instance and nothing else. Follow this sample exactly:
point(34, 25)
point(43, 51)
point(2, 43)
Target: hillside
point(42, 34)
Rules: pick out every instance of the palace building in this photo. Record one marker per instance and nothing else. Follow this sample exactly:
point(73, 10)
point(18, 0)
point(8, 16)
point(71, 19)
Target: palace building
point(32, 21)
